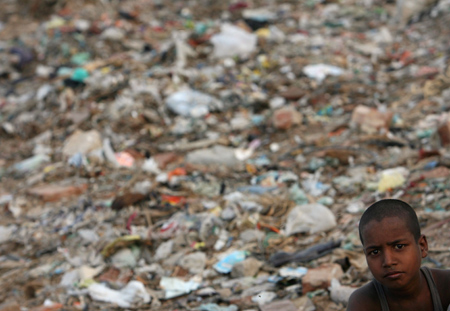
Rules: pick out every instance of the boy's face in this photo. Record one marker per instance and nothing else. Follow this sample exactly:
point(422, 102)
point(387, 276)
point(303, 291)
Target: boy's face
point(392, 254)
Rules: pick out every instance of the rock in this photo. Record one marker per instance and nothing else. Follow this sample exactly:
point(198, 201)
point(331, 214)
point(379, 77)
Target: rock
point(285, 118)
point(293, 93)
point(164, 250)
point(320, 278)
point(248, 267)
point(224, 293)
point(124, 258)
point(52, 193)
point(194, 262)
point(82, 142)
point(370, 119)
point(251, 235)
point(217, 155)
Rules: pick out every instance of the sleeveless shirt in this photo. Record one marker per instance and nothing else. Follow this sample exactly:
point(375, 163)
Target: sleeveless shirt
point(437, 306)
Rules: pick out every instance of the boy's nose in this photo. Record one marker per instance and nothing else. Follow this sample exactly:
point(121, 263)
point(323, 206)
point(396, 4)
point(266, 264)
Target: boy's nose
point(388, 259)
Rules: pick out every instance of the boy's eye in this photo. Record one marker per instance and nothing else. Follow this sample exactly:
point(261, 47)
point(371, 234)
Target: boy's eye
point(399, 246)
point(374, 252)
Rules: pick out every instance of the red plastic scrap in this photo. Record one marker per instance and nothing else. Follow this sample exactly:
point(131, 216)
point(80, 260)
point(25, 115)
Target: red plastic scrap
point(406, 58)
point(194, 42)
point(180, 171)
point(415, 183)
point(172, 199)
point(423, 154)
point(261, 225)
point(238, 6)
point(158, 29)
point(130, 221)
point(169, 226)
point(337, 132)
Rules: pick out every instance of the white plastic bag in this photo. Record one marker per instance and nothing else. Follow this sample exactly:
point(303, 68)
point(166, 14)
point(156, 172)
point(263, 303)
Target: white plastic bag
point(190, 103)
point(134, 290)
point(310, 218)
point(320, 71)
point(233, 41)
point(175, 287)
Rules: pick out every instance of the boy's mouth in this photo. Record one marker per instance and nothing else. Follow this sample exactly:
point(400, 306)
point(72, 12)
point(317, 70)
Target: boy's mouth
point(392, 274)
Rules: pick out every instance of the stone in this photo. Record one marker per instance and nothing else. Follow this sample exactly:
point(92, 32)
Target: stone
point(216, 155)
point(251, 235)
point(286, 117)
point(124, 258)
point(164, 250)
point(52, 193)
point(224, 293)
point(248, 267)
point(82, 142)
point(293, 93)
point(371, 120)
point(320, 278)
point(194, 262)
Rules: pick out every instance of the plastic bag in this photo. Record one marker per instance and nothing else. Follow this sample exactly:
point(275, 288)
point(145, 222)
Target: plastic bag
point(310, 218)
point(124, 297)
point(232, 41)
point(190, 103)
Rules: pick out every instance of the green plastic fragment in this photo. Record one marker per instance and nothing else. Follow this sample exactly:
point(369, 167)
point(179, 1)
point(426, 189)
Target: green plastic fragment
point(79, 75)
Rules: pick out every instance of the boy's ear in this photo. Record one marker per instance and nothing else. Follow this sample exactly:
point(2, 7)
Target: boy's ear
point(423, 244)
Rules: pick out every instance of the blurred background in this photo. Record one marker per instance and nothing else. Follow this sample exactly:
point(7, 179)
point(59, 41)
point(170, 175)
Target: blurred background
point(214, 155)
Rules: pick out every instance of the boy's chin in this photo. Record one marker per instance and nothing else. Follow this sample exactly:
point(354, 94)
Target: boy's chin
point(393, 283)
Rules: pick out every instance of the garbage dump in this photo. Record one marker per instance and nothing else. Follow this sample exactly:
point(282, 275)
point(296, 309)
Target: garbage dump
point(214, 155)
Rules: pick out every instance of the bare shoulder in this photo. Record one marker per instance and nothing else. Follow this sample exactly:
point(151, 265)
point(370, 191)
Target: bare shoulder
point(364, 298)
point(442, 279)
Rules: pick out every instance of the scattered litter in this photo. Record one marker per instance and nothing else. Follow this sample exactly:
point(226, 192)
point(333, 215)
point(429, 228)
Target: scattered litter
point(211, 155)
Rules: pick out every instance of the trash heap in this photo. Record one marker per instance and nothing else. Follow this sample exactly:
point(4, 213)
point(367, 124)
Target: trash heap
point(214, 155)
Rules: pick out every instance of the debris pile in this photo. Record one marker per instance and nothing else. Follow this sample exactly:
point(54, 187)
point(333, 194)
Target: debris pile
point(214, 155)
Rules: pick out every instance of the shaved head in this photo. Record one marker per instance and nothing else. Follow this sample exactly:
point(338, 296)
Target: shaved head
point(391, 208)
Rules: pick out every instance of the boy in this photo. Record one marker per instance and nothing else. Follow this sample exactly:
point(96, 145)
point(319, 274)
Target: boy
point(394, 247)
